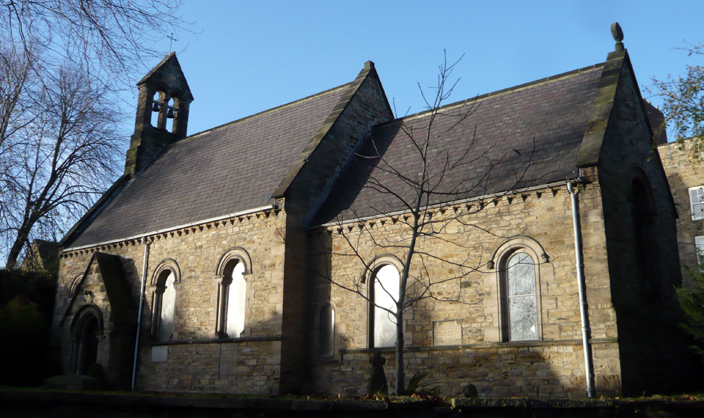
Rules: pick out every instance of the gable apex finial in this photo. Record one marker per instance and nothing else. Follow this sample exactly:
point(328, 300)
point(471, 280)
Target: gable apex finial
point(617, 33)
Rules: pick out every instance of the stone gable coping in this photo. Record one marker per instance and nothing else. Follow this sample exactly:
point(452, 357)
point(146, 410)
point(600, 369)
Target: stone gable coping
point(169, 60)
point(590, 149)
point(115, 286)
point(367, 71)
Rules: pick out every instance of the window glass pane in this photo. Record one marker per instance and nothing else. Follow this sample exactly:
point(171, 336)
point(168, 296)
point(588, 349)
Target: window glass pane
point(699, 245)
point(523, 312)
point(327, 331)
point(385, 295)
point(524, 318)
point(236, 298)
point(521, 275)
point(696, 200)
point(168, 302)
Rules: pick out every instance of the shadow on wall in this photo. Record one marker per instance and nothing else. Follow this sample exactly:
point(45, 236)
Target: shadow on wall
point(644, 265)
point(250, 365)
point(96, 337)
point(532, 369)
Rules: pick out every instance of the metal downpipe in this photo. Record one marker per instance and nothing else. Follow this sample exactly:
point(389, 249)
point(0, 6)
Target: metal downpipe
point(583, 308)
point(139, 312)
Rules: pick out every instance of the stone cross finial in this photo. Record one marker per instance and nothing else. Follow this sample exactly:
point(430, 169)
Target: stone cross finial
point(618, 35)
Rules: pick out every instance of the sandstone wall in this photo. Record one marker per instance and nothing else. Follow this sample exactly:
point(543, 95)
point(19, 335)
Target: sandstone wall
point(195, 359)
point(684, 171)
point(472, 347)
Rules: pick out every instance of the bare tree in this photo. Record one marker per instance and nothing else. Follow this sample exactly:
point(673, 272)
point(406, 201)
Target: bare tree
point(428, 197)
point(63, 64)
point(110, 38)
point(61, 154)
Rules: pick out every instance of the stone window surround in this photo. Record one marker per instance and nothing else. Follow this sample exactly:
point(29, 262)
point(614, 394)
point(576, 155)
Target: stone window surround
point(223, 286)
point(499, 259)
point(157, 286)
point(368, 277)
point(75, 286)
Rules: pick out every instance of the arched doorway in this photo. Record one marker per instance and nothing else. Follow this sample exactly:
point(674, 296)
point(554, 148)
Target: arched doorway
point(86, 340)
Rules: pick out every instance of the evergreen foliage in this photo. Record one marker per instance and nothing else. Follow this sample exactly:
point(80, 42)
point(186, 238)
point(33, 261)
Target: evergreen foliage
point(692, 303)
point(26, 307)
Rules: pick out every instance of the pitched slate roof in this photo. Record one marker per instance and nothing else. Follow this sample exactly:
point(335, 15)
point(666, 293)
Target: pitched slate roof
point(221, 171)
point(519, 137)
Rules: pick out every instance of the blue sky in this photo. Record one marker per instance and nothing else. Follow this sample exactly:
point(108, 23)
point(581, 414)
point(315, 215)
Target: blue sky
point(247, 57)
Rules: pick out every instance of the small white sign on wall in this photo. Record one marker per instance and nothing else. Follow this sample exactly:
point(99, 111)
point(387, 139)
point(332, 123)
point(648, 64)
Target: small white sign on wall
point(160, 353)
point(447, 333)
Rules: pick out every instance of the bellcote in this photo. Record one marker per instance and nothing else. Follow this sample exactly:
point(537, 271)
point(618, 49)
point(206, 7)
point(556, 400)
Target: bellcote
point(163, 92)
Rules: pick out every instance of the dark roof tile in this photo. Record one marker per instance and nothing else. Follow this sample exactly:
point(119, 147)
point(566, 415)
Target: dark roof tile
point(224, 170)
point(525, 136)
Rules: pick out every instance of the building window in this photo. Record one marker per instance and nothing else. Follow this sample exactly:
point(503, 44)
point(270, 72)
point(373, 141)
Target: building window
point(167, 293)
point(232, 272)
point(235, 295)
point(383, 296)
point(521, 302)
point(165, 278)
point(326, 332)
point(696, 202)
point(699, 248)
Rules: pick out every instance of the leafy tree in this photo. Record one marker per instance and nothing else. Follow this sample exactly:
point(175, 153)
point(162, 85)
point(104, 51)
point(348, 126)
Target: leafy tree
point(683, 102)
point(692, 303)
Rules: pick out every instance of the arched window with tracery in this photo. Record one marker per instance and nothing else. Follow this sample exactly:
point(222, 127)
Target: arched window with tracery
point(517, 262)
point(521, 302)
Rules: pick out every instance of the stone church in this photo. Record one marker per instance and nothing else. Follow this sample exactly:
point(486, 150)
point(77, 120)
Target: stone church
point(265, 255)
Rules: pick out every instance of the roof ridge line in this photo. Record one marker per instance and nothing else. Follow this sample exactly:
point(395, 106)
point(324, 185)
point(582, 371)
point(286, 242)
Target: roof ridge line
point(346, 85)
point(496, 93)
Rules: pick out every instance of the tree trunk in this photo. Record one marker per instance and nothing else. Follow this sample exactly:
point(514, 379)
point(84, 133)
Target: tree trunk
point(400, 373)
point(16, 249)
